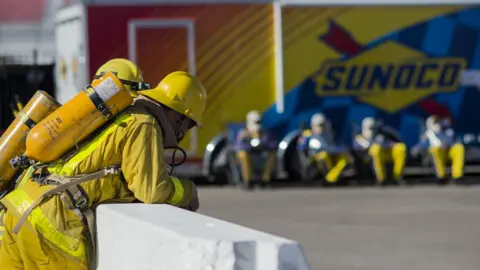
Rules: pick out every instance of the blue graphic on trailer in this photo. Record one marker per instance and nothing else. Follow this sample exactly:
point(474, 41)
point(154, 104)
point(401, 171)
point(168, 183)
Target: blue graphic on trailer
point(452, 35)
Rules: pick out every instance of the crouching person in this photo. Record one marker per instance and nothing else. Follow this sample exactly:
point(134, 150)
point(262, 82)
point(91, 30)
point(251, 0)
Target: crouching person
point(322, 150)
point(256, 152)
point(443, 147)
point(383, 147)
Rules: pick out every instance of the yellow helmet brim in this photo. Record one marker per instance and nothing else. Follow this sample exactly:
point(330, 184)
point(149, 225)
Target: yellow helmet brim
point(177, 106)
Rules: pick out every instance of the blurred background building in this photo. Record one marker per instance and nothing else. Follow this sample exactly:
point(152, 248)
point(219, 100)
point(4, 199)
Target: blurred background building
point(27, 50)
point(27, 33)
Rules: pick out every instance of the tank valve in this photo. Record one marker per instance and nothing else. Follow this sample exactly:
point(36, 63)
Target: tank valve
point(20, 162)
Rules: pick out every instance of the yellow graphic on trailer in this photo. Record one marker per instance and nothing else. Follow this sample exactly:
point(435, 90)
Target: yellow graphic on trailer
point(353, 52)
point(389, 76)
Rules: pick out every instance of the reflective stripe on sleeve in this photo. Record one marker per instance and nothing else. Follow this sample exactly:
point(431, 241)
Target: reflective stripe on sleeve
point(178, 191)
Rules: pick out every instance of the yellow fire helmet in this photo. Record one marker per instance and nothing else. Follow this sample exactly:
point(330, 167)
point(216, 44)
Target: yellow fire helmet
point(128, 73)
point(182, 92)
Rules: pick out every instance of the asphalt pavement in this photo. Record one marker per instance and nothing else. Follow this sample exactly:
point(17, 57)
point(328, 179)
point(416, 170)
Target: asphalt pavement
point(396, 228)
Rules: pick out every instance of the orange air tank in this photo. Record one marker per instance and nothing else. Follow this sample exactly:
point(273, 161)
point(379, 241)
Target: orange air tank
point(99, 102)
point(12, 142)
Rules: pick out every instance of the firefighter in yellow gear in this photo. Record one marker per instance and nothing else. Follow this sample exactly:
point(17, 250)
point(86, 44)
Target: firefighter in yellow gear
point(383, 146)
point(49, 220)
point(439, 139)
point(322, 148)
point(255, 140)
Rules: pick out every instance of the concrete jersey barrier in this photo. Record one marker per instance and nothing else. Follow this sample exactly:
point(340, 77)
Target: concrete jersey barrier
point(142, 236)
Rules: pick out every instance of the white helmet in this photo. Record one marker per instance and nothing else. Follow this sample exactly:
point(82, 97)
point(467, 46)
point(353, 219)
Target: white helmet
point(318, 119)
point(320, 123)
point(433, 123)
point(254, 120)
point(368, 124)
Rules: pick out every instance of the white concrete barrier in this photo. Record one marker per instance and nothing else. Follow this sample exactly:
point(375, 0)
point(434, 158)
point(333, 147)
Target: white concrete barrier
point(141, 237)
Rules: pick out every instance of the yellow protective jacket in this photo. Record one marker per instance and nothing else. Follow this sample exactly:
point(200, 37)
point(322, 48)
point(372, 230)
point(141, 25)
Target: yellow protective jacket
point(133, 141)
point(2, 228)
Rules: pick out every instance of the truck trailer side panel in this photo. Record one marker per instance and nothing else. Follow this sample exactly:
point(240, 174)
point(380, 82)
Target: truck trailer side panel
point(353, 62)
point(232, 53)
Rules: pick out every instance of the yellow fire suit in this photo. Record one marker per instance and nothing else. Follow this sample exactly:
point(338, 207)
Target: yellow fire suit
point(250, 141)
point(442, 149)
point(54, 235)
point(2, 227)
point(324, 151)
point(383, 153)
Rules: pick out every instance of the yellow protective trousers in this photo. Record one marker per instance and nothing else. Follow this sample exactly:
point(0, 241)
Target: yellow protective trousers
point(334, 163)
point(246, 166)
point(441, 156)
point(27, 251)
point(397, 155)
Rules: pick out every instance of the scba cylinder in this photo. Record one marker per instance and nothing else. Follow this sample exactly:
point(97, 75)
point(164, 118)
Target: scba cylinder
point(12, 142)
point(99, 102)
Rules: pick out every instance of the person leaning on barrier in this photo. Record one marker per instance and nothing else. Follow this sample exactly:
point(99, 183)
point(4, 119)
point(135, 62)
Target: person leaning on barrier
point(322, 148)
point(59, 232)
point(439, 139)
point(383, 146)
point(254, 138)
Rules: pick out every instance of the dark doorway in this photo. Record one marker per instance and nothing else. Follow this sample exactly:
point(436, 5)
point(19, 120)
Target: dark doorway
point(22, 81)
